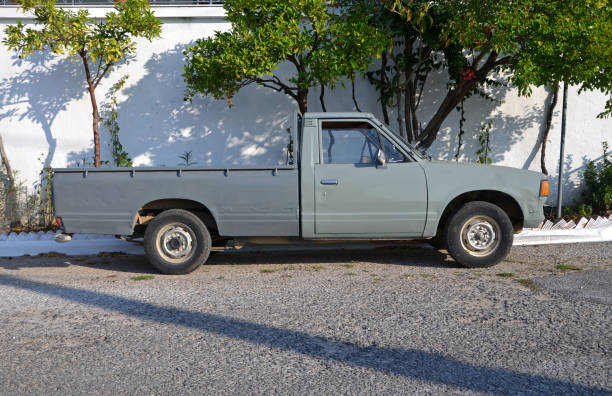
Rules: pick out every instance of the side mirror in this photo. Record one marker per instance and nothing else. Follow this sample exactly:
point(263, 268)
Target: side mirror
point(381, 159)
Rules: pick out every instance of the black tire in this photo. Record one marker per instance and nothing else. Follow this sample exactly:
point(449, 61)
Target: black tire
point(479, 235)
point(177, 242)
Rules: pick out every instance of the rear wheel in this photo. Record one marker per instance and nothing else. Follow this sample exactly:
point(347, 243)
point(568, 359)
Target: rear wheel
point(177, 242)
point(479, 235)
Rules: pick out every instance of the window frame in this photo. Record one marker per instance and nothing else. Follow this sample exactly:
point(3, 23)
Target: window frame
point(407, 157)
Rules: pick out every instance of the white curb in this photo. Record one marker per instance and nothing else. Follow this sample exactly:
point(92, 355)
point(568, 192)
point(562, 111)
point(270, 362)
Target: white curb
point(536, 236)
point(78, 247)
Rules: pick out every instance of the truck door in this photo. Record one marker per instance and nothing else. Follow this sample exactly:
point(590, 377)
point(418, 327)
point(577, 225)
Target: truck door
point(354, 194)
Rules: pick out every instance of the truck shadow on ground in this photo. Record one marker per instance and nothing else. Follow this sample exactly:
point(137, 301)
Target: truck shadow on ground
point(406, 362)
point(410, 256)
point(405, 255)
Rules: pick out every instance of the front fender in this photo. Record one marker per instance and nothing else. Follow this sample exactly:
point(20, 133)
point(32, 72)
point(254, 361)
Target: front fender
point(447, 181)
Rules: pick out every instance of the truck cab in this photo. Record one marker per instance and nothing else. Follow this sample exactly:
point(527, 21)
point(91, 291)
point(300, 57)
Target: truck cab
point(347, 177)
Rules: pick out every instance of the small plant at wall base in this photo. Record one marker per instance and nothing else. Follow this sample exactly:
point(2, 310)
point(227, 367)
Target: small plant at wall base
point(484, 142)
point(120, 157)
point(98, 45)
point(598, 181)
point(461, 111)
point(290, 155)
point(187, 159)
point(44, 193)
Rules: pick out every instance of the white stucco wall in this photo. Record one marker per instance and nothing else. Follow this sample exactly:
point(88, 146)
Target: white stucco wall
point(45, 112)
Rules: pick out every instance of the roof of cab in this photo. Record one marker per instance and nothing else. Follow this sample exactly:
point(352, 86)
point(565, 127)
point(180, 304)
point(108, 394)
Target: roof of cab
point(330, 114)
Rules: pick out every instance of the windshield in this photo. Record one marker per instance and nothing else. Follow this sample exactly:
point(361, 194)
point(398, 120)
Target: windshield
point(413, 149)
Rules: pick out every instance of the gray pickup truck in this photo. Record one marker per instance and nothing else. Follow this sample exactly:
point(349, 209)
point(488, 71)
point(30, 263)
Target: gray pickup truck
point(347, 177)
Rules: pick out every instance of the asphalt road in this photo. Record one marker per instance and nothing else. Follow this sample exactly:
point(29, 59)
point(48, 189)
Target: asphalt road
point(400, 320)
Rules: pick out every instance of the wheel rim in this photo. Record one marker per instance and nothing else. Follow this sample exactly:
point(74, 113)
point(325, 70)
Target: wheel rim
point(480, 235)
point(176, 243)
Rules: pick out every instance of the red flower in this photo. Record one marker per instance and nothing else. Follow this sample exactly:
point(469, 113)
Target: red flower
point(468, 74)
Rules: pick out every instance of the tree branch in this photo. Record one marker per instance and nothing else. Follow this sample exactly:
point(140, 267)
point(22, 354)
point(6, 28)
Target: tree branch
point(278, 87)
point(108, 66)
point(478, 59)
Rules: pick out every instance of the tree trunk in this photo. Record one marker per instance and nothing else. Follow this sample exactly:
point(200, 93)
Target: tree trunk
point(94, 106)
point(353, 94)
point(322, 98)
point(11, 188)
point(302, 99)
point(548, 121)
point(408, 89)
point(400, 121)
point(454, 97)
point(383, 82)
point(410, 133)
point(6, 163)
point(96, 126)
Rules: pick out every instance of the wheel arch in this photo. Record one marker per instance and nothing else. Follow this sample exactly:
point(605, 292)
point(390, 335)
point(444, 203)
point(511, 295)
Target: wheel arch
point(504, 201)
point(151, 209)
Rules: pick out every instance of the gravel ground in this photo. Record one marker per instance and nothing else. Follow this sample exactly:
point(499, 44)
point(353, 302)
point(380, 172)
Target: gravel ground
point(399, 320)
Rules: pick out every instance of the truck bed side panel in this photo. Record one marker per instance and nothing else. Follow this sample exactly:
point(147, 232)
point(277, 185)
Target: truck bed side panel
point(244, 202)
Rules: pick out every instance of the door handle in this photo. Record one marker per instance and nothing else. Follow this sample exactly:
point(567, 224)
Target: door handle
point(329, 182)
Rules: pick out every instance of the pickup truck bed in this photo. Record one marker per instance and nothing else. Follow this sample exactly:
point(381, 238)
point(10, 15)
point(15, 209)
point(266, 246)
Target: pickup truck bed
point(244, 201)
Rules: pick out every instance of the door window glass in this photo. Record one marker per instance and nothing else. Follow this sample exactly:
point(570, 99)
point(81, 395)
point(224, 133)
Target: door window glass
point(349, 143)
point(391, 151)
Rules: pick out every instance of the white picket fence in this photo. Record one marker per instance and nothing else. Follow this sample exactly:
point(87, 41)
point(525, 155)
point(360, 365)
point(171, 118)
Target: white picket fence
point(597, 229)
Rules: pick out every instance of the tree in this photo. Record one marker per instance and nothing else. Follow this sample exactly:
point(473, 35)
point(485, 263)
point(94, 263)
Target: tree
point(554, 42)
point(537, 42)
point(98, 45)
point(416, 48)
point(323, 43)
point(8, 180)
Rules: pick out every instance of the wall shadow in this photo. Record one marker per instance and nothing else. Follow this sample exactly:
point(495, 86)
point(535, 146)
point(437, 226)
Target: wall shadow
point(406, 362)
point(536, 148)
point(506, 129)
point(157, 124)
point(41, 91)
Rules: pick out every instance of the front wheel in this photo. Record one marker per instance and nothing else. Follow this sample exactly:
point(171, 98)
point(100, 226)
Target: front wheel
point(177, 242)
point(479, 235)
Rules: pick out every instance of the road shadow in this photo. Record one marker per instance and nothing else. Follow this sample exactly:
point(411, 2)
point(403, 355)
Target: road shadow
point(405, 362)
point(402, 255)
point(112, 262)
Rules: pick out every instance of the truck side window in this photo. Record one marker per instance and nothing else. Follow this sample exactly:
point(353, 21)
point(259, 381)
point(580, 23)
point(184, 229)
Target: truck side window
point(349, 143)
point(392, 153)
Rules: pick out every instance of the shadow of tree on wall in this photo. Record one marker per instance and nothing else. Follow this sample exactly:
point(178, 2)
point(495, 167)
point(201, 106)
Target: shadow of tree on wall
point(41, 91)
point(506, 129)
point(536, 148)
point(157, 125)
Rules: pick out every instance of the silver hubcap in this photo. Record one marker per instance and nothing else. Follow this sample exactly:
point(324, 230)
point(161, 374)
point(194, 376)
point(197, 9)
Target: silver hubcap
point(480, 235)
point(176, 242)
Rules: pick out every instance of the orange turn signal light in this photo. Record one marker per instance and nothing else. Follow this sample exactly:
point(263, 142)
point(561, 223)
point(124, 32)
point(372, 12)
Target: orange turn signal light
point(544, 188)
